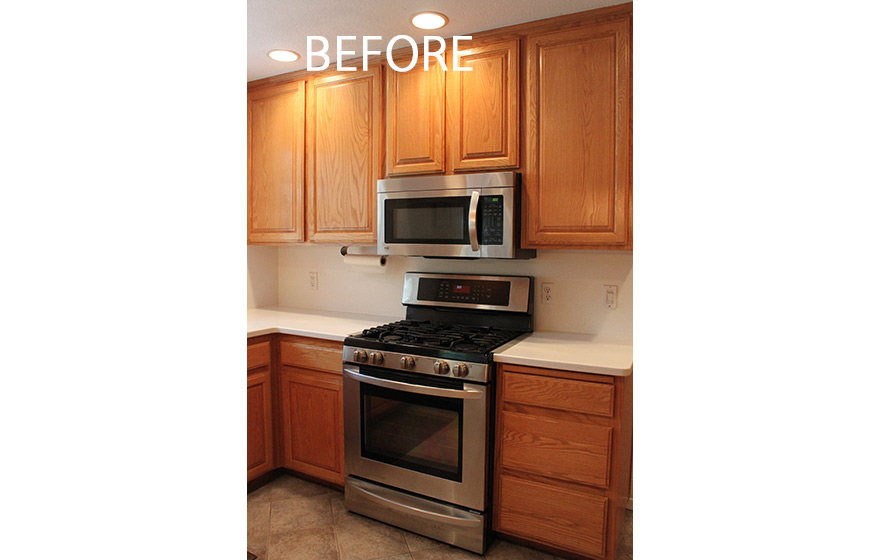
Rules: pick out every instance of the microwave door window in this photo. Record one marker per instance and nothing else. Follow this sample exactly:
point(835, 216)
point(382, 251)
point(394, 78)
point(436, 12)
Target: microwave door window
point(431, 220)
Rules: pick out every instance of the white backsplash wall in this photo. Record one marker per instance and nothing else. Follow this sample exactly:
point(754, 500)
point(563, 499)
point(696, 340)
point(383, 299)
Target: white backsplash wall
point(262, 276)
point(578, 277)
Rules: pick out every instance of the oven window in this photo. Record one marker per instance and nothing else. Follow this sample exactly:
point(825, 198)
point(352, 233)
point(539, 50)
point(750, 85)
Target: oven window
point(427, 220)
point(415, 432)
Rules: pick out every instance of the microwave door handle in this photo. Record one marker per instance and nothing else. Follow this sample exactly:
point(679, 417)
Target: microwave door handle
point(413, 388)
point(472, 220)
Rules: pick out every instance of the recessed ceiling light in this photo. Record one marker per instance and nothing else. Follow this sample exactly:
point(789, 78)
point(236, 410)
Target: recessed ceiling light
point(283, 55)
point(429, 20)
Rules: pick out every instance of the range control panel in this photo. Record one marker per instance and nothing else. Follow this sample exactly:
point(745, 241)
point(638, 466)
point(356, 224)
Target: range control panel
point(463, 290)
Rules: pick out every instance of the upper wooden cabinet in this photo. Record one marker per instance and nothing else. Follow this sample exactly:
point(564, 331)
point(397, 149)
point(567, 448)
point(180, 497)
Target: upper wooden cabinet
point(578, 130)
point(483, 107)
point(415, 118)
point(344, 155)
point(276, 148)
point(443, 122)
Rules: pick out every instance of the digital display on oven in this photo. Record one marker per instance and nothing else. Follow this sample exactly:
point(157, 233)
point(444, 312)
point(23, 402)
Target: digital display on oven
point(479, 292)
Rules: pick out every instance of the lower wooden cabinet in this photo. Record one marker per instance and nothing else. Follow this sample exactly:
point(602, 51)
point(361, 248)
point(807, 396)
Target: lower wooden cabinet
point(563, 450)
point(260, 448)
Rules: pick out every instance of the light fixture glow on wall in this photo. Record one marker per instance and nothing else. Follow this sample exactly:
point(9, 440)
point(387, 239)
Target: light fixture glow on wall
point(282, 55)
point(429, 20)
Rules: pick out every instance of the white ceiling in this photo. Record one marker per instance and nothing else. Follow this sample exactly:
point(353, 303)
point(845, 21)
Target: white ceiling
point(280, 24)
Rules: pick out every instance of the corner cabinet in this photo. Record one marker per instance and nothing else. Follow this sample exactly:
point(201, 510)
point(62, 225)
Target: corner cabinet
point(563, 449)
point(260, 448)
point(344, 155)
point(311, 407)
point(578, 130)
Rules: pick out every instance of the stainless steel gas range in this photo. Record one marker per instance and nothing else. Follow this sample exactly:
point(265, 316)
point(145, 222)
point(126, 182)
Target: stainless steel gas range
point(418, 402)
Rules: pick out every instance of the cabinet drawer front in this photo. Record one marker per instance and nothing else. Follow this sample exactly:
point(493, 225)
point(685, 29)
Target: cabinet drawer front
point(555, 448)
point(559, 394)
point(313, 354)
point(566, 519)
point(258, 355)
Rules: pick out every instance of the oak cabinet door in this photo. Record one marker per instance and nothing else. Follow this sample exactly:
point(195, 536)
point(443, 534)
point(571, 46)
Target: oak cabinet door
point(483, 107)
point(259, 423)
point(578, 168)
point(311, 409)
point(415, 118)
point(276, 151)
point(344, 156)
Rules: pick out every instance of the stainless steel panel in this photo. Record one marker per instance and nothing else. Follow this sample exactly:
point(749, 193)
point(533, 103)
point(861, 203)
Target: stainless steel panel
point(443, 522)
point(470, 492)
point(442, 182)
point(519, 291)
point(464, 394)
point(421, 364)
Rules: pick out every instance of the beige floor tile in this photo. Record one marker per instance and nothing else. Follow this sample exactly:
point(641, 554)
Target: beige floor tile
point(313, 543)
point(418, 542)
point(397, 557)
point(504, 550)
point(299, 513)
point(258, 527)
point(360, 538)
point(445, 552)
point(287, 487)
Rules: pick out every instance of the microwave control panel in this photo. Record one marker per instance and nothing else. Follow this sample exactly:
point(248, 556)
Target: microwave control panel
point(492, 215)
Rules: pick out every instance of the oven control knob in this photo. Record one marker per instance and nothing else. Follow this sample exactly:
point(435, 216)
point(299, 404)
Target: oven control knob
point(441, 368)
point(460, 370)
point(376, 358)
point(407, 362)
point(360, 356)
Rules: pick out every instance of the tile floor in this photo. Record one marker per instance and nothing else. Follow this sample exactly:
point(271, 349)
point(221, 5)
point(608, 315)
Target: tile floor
point(292, 519)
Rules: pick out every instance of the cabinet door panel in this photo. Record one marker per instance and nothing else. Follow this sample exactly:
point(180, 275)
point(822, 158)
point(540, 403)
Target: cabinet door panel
point(259, 423)
point(344, 156)
point(578, 179)
point(416, 135)
point(483, 125)
point(276, 151)
point(312, 423)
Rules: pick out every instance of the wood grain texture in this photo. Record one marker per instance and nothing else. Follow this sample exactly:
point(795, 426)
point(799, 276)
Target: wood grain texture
point(344, 155)
point(559, 394)
point(276, 152)
point(565, 450)
point(258, 355)
point(415, 118)
point(577, 177)
point(311, 410)
point(483, 107)
point(259, 423)
point(561, 518)
point(312, 353)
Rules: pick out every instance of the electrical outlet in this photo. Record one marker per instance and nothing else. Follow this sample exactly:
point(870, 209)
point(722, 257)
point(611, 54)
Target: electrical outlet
point(546, 292)
point(313, 280)
point(610, 296)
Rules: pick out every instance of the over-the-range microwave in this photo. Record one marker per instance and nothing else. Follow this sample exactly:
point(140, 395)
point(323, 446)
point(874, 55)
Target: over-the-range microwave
point(475, 215)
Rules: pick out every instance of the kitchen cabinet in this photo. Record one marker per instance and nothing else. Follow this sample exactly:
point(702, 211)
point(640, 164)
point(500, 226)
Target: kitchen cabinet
point(343, 155)
point(562, 459)
point(276, 152)
point(311, 407)
point(260, 448)
point(445, 122)
point(577, 172)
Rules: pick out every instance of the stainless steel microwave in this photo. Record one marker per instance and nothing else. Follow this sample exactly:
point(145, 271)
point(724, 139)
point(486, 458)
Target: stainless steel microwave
point(476, 215)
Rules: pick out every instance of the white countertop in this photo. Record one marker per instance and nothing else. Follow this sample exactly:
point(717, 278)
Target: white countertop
point(585, 353)
point(317, 324)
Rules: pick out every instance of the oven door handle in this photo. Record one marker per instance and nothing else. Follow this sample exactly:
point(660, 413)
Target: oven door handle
point(472, 220)
point(412, 388)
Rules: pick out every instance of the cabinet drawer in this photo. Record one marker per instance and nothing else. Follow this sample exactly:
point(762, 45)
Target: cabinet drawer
point(559, 394)
point(563, 518)
point(317, 354)
point(572, 451)
point(257, 355)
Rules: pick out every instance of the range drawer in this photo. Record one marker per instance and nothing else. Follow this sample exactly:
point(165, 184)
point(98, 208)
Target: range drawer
point(559, 394)
point(258, 355)
point(559, 517)
point(312, 353)
point(555, 448)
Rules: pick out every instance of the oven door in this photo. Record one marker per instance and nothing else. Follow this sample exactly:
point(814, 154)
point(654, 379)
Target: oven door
point(426, 436)
point(475, 222)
